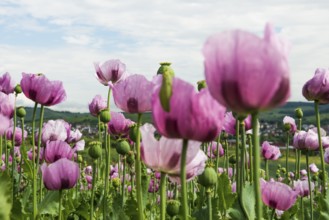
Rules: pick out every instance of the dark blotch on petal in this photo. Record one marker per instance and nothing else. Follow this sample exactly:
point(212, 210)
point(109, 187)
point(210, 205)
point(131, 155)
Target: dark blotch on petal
point(132, 105)
point(32, 94)
point(115, 74)
point(65, 183)
point(272, 203)
point(171, 127)
point(173, 160)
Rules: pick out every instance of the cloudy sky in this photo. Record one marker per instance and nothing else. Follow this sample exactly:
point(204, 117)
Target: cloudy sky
point(63, 38)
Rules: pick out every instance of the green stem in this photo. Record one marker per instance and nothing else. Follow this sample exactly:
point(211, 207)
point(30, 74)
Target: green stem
point(209, 204)
point(42, 111)
point(93, 191)
point(183, 180)
point(272, 214)
point(302, 207)
point(227, 159)
point(163, 196)
point(298, 151)
point(0, 150)
point(317, 114)
point(13, 161)
point(267, 177)
point(237, 176)
point(109, 98)
point(250, 158)
point(123, 181)
point(138, 171)
point(256, 160)
point(287, 155)
point(243, 154)
point(107, 170)
point(309, 183)
point(22, 147)
point(34, 164)
point(60, 205)
point(217, 159)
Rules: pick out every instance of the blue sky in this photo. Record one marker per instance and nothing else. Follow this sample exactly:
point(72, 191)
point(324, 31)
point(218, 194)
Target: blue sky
point(63, 38)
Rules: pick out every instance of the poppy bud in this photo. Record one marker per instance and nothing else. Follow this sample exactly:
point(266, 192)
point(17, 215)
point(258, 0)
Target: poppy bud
point(232, 159)
point(202, 84)
point(116, 182)
point(20, 112)
point(122, 147)
point(95, 150)
point(18, 89)
point(165, 67)
point(173, 207)
point(166, 90)
point(105, 116)
point(208, 178)
point(131, 157)
point(286, 127)
point(133, 133)
point(299, 113)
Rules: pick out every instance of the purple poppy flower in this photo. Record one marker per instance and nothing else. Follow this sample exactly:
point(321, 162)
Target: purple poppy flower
point(41, 90)
point(230, 123)
point(54, 130)
point(306, 140)
point(303, 172)
point(18, 135)
point(270, 152)
point(188, 110)
point(97, 105)
point(109, 71)
point(7, 85)
point(326, 155)
point(278, 195)
point(165, 155)
point(245, 72)
point(74, 136)
point(119, 125)
point(313, 168)
point(79, 146)
point(5, 124)
point(133, 94)
point(223, 170)
point(41, 154)
point(212, 150)
point(301, 187)
point(7, 104)
point(56, 150)
point(289, 120)
point(89, 179)
point(153, 187)
point(62, 174)
point(88, 170)
point(317, 88)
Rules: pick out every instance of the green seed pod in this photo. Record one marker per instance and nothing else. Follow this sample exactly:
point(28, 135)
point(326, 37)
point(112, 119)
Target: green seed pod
point(9, 144)
point(102, 126)
point(20, 112)
point(165, 67)
point(278, 175)
point(122, 147)
point(262, 173)
point(166, 90)
point(18, 89)
point(133, 133)
point(208, 178)
point(130, 158)
point(116, 182)
point(232, 159)
point(286, 127)
point(283, 170)
point(95, 149)
point(80, 159)
point(201, 84)
point(173, 207)
point(321, 175)
point(105, 116)
point(299, 113)
point(315, 178)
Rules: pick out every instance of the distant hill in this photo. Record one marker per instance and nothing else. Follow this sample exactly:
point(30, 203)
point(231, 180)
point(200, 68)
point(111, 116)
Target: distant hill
point(273, 116)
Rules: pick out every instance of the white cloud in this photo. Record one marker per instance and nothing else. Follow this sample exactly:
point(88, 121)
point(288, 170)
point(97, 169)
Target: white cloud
point(148, 32)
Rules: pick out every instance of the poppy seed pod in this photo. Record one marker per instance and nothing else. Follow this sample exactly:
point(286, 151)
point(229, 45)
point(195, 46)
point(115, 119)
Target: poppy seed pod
point(122, 147)
point(95, 150)
point(173, 207)
point(166, 91)
point(133, 133)
point(299, 113)
point(208, 178)
point(105, 116)
point(18, 89)
point(20, 112)
point(165, 67)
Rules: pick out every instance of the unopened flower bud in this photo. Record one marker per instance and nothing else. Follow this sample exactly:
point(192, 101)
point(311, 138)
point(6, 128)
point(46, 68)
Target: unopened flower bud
point(105, 116)
point(299, 113)
point(20, 112)
point(286, 127)
point(201, 84)
point(133, 133)
point(130, 158)
point(173, 207)
point(208, 178)
point(315, 178)
point(102, 126)
point(9, 144)
point(122, 147)
point(18, 89)
point(116, 182)
point(232, 159)
point(95, 150)
point(283, 170)
point(80, 159)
